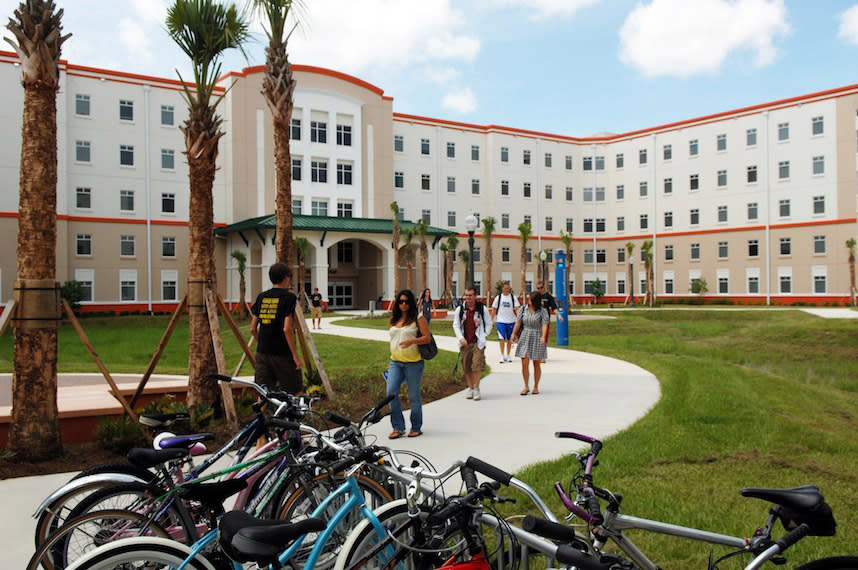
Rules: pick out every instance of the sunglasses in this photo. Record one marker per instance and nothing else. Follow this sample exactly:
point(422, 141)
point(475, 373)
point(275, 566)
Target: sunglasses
point(403, 301)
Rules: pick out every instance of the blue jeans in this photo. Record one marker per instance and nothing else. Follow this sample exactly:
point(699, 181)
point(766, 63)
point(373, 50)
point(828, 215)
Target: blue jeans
point(410, 373)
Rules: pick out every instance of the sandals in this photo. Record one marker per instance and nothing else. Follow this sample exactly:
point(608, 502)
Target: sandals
point(395, 435)
point(415, 433)
point(524, 392)
point(535, 392)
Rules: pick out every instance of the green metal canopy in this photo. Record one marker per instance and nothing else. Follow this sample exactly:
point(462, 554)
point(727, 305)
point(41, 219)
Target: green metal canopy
point(328, 224)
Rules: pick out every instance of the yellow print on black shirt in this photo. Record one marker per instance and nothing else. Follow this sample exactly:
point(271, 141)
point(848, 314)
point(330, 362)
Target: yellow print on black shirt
point(268, 309)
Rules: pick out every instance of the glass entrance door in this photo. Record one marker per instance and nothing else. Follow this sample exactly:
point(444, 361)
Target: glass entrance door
point(341, 295)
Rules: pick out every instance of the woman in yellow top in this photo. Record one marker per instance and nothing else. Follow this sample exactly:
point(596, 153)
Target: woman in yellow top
point(407, 330)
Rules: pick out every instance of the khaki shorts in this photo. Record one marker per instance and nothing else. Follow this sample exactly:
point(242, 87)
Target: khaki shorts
point(473, 358)
point(278, 373)
point(315, 312)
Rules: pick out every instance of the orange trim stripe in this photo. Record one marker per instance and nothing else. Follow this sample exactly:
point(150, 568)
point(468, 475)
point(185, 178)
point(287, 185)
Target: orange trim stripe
point(97, 220)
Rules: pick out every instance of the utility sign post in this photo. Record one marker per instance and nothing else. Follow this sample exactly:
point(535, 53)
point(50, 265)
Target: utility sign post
point(561, 286)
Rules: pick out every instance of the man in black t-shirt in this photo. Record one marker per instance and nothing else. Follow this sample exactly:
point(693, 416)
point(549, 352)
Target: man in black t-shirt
point(277, 363)
point(316, 308)
point(550, 305)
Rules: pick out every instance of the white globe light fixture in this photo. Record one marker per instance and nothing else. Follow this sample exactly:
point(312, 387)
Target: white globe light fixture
point(471, 223)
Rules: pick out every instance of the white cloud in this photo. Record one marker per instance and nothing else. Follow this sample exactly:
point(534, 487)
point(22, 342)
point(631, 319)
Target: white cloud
point(848, 30)
point(681, 38)
point(135, 39)
point(462, 101)
point(441, 75)
point(550, 8)
point(151, 12)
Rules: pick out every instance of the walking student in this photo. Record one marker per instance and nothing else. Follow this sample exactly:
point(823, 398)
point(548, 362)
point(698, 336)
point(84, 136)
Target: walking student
point(504, 310)
point(273, 325)
point(550, 305)
point(532, 324)
point(472, 323)
point(316, 308)
point(425, 305)
point(407, 330)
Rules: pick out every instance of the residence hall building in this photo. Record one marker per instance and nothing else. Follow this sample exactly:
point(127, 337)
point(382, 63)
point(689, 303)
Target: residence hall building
point(757, 201)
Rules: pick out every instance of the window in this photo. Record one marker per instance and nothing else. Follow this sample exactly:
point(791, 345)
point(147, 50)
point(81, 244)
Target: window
point(752, 174)
point(668, 286)
point(570, 225)
point(345, 252)
point(721, 143)
point(126, 155)
point(786, 283)
point(588, 194)
point(621, 287)
point(344, 135)
point(819, 204)
point(786, 246)
point(168, 115)
point(505, 258)
point(783, 131)
point(168, 247)
point(600, 193)
point(587, 163)
point(296, 169)
point(600, 225)
point(818, 244)
point(451, 150)
point(722, 249)
point(477, 255)
point(128, 288)
point(723, 285)
point(549, 192)
point(168, 159)
point(643, 287)
point(549, 224)
point(668, 253)
point(344, 174)
point(694, 217)
point(319, 171)
point(526, 220)
point(570, 194)
point(817, 127)
point(621, 192)
point(722, 178)
point(528, 254)
point(295, 129)
point(588, 256)
point(475, 186)
point(753, 248)
point(818, 165)
point(425, 182)
point(620, 160)
point(621, 223)
point(398, 143)
point(783, 169)
point(126, 110)
point(126, 246)
point(398, 180)
point(526, 189)
point(83, 198)
point(753, 284)
point(621, 255)
point(668, 185)
point(320, 208)
point(401, 213)
point(81, 105)
point(667, 152)
point(751, 137)
point(694, 182)
point(318, 132)
point(783, 208)
point(82, 151)
point(169, 290)
point(168, 203)
point(568, 162)
point(475, 152)
point(753, 211)
point(643, 190)
point(297, 205)
point(345, 210)
point(642, 156)
point(695, 251)
point(126, 200)
point(84, 244)
point(693, 147)
point(505, 221)
point(85, 278)
point(601, 256)
point(451, 184)
point(600, 163)
point(426, 216)
point(588, 225)
point(451, 219)
point(668, 219)
point(504, 154)
point(644, 221)
point(722, 214)
point(525, 157)
point(819, 285)
point(504, 187)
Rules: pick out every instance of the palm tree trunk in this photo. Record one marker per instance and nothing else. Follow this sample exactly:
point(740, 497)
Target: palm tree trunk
point(409, 266)
point(489, 286)
point(34, 433)
point(852, 291)
point(242, 296)
point(424, 263)
point(451, 261)
point(301, 282)
point(522, 291)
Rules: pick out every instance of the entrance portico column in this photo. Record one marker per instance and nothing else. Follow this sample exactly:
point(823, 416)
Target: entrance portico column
point(319, 269)
point(389, 272)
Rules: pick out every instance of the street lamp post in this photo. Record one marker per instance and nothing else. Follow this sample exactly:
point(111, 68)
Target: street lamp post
point(542, 257)
point(471, 224)
point(632, 277)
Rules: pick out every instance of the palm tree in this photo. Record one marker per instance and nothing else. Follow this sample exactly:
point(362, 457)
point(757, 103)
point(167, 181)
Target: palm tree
point(394, 207)
point(240, 266)
point(302, 245)
point(488, 229)
point(646, 258)
point(567, 244)
point(204, 30)
point(465, 256)
point(524, 232)
point(452, 244)
point(630, 249)
point(278, 87)
point(850, 245)
point(421, 229)
point(37, 27)
point(409, 234)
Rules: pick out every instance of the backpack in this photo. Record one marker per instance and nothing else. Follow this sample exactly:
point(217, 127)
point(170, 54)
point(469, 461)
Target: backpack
point(478, 309)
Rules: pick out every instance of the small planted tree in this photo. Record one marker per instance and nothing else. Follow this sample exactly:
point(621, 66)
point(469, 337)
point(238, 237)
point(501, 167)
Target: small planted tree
point(452, 244)
point(646, 259)
point(488, 229)
point(394, 208)
point(241, 266)
point(598, 289)
point(302, 245)
point(409, 234)
point(850, 245)
point(699, 286)
point(524, 231)
point(465, 256)
point(421, 230)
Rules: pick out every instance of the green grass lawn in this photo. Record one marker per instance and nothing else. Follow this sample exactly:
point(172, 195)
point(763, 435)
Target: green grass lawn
point(749, 398)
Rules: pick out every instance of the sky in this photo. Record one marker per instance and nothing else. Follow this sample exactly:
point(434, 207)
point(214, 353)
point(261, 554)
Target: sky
point(572, 67)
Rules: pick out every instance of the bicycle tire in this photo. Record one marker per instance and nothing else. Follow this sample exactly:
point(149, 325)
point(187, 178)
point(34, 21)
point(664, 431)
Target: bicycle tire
point(131, 550)
point(122, 468)
point(57, 512)
point(832, 563)
point(46, 556)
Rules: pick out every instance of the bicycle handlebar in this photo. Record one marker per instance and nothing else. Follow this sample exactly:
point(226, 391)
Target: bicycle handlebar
point(548, 529)
point(578, 559)
point(455, 506)
point(489, 471)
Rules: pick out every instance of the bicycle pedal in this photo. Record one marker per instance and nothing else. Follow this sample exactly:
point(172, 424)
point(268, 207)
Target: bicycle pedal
point(778, 560)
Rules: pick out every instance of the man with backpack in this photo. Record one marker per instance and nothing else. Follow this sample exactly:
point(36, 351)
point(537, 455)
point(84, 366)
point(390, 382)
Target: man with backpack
point(472, 323)
point(505, 309)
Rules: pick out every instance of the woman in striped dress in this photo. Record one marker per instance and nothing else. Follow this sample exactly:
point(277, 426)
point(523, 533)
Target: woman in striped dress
point(532, 324)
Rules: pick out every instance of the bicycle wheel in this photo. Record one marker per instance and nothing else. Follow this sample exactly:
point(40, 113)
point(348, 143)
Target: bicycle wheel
point(85, 533)
point(832, 563)
point(58, 511)
point(121, 468)
point(142, 553)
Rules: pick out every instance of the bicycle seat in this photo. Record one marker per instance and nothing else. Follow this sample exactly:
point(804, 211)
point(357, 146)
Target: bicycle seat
point(184, 441)
point(163, 420)
point(801, 498)
point(212, 495)
point(146, 458)
point(248, 539)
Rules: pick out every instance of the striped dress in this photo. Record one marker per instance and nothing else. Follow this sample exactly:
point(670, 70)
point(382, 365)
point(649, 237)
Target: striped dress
point(530, 341)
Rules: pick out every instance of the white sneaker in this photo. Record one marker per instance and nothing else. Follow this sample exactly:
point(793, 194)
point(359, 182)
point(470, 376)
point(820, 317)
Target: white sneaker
point(476, 394)
point(508, 358)
point(502, 359)
point(469, 393)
